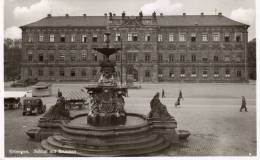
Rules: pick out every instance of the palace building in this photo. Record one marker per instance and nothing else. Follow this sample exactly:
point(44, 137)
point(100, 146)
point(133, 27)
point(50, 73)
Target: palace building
point(156, 48)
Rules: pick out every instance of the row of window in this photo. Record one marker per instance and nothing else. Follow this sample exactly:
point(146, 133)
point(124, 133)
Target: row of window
point(193, 73)
point(204, 37)
point(147, 37)
point(194, 58)
point(130, 57)
point(83, 73)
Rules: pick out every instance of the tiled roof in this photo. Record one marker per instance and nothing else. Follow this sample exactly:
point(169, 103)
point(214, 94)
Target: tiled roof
point(197, 20)
point(177, 20)
point(61, 21)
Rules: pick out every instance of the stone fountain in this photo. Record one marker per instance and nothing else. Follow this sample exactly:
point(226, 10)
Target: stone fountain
point(107, 107)
point(107, 129)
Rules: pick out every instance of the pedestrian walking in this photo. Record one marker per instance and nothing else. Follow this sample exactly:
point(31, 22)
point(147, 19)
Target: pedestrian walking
point(177, 103)
point(243, 105)
point(163, 94)
point(180, 95)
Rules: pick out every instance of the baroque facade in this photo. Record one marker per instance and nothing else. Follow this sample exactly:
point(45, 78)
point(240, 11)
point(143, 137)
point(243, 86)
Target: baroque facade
point(156, 48)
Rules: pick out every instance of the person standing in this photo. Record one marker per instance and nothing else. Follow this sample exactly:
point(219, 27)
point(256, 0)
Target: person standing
point(243, 105)
point(163, 94)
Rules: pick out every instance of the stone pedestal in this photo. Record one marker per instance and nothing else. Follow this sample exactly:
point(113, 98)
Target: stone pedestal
point(165, 128)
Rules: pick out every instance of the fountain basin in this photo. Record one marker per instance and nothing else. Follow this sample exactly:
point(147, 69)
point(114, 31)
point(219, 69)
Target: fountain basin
point(135, 137)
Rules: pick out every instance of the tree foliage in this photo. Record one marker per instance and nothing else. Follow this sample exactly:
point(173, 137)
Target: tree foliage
point(251, 58)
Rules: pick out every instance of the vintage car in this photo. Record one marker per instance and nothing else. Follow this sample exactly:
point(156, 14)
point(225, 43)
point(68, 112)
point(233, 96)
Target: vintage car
point(12, 103)
point(33, 106)
point(24, 83)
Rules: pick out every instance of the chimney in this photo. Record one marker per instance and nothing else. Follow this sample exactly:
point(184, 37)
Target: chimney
point(123, 14)
point(184, 14)
point(67, 15)
point(219, 14)
point(105, 14)
point(161, 14)
point(49, 15)
point(84, 15)
point(202, 14)
point(141, 15)
point(154, 15)
point(110, 16)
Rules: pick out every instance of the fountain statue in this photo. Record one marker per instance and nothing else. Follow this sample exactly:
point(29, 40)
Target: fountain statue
point(107, 102)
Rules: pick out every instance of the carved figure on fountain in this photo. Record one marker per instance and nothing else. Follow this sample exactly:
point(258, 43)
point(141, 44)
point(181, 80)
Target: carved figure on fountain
point(108, 74)
point(58, 111)
point(107, 108)
point(158, 110)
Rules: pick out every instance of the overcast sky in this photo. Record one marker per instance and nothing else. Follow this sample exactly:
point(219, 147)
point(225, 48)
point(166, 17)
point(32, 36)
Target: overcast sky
point(21, 12)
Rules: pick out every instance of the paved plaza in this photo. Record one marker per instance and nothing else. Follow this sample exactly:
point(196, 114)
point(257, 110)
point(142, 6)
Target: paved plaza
point(209, 111)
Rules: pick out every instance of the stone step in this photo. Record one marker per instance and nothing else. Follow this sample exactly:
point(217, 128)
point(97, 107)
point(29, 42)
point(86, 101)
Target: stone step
point(72, 145)
point(107, 143)
point(108, 139)
point(147, 147)
point(83, 132)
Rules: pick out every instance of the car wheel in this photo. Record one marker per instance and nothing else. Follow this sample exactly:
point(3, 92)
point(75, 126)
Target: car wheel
point(23, 114)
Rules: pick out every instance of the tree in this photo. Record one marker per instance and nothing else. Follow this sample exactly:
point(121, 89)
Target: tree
point(251, 59)
point(12, 59)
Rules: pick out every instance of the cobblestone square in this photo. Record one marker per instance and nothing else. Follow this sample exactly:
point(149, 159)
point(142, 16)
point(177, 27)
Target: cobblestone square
point(209, 111)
